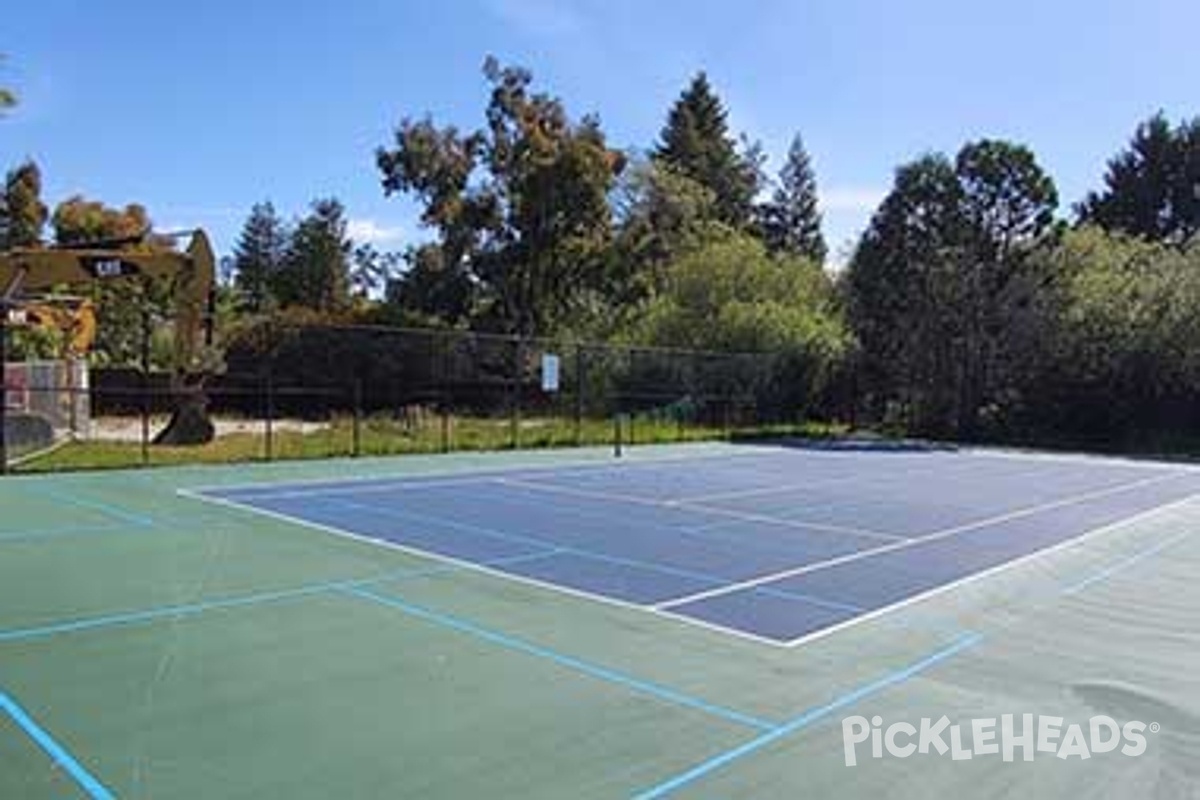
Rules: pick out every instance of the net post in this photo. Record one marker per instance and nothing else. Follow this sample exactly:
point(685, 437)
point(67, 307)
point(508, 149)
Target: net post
point(617, 446)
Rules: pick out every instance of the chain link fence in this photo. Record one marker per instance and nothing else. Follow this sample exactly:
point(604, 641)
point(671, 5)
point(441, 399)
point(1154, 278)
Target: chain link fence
point(310, 392)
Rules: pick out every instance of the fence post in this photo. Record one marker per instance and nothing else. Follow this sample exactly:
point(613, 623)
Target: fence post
point(445, 428)
point(3, 388)
point(358, 413)
point(269, 412)
point(145, 404)
point(515, 420)
point(579, 384)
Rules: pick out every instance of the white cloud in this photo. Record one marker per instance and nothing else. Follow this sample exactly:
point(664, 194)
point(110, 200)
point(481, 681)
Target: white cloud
point(852, 198)
point(369, 231)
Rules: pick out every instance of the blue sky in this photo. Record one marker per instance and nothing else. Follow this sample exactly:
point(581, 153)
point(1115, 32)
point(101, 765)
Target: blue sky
point(199, 110)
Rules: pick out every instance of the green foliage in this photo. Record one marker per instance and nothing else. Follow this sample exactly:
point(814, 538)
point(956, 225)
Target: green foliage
point(791, 221)
point(315, 270)
point(938, 285)
point(1152, 189)
point(78, 221)
point(431, 290)
point(520, 207)
point(731, 295)
point(1120, 322)
point(661, 215)
point(258, 257)
point(22, 212)
point(696, 143)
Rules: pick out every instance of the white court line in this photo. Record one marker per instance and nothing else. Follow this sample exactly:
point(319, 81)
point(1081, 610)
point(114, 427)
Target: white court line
point(471, 566)
point(745, 516)
point(478, 470)
point(1045, 552)
point(941, 534)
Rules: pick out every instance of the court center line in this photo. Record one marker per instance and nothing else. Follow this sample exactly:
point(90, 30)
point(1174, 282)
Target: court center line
point(806, 719)
point(937, 535)
point(518, 538)
point(590, 554)
point(576, 664)
point(611, 601)
point(702, 534)
point(745, 516)
point(61, 757)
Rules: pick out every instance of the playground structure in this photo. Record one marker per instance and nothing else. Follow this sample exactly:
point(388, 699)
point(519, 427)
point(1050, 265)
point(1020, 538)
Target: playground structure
point(26, 272)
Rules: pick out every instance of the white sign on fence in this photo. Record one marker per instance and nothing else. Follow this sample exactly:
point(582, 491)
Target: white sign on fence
point(549, 372)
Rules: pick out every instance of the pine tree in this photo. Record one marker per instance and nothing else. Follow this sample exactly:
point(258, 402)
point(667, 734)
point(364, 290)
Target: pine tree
point(697, 144)
point(24, 214)
point(791, 221)
point(258, 256)
point(1152, 189)
point(316, 269)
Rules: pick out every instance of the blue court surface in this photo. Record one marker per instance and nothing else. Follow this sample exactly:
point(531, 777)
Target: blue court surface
point(780, 545)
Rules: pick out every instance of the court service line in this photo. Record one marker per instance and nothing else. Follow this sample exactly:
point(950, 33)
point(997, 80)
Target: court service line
point(809, 717)
point(1044, 552)
point(481, 568)
point(182, 610)
point(559, 548)
point(571, 662)
point(936, 535)
point(61, 757)
point(707, 533)
point(617, 497)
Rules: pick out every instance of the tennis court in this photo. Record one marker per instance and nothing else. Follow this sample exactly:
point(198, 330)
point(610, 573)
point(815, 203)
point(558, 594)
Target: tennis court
point(688, 621)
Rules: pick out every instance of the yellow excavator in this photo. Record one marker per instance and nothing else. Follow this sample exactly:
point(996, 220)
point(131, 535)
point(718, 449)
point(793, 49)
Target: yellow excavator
point(73, 318)
point(192, 275)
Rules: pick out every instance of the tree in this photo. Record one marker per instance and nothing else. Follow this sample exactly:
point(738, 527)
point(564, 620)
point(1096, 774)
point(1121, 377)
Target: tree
point(730, 295)
point(791, 221)
point(937, 284)
point(78, 221)
point(521, 206)
point(892, 285)
point(696, 144)
point(371, 270)
point(23, 214)
point(1152, 189)
point(259, 256)
point(430, 290)
point(315, 271)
